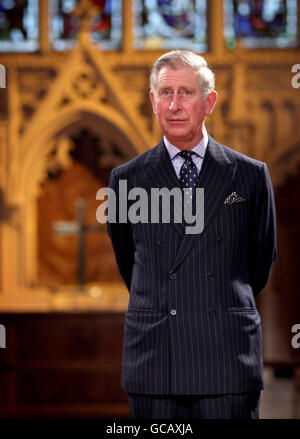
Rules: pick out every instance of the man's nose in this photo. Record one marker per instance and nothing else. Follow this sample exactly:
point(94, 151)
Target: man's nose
point(175, 103)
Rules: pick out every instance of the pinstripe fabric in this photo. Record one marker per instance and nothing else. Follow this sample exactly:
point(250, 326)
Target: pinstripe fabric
point(228, 406)
point(212, 344)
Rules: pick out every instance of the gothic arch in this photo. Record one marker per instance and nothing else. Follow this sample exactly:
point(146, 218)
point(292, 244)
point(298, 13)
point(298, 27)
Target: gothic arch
point(38, 145)
point(36, 149)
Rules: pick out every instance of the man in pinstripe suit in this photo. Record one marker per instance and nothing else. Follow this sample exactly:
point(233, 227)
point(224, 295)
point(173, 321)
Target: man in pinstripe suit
point(192, 341)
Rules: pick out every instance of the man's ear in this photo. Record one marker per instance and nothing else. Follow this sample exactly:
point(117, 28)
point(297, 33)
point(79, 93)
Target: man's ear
point(152, 98)
point(210, 102)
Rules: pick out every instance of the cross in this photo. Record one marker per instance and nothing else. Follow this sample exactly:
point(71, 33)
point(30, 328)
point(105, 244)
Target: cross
point(79, 228)
point(85, 11)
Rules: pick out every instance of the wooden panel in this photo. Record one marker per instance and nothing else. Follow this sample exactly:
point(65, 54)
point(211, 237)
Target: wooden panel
point(3, 388)
point(62, 364)
point(57, 254)
point(70, 387)
point(83, 337)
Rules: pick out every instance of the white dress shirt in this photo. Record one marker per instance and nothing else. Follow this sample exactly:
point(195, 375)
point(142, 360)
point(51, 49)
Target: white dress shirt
point(177, 160)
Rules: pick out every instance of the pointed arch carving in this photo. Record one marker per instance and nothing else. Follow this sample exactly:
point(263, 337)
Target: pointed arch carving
point(38, 145)
point(36, 152)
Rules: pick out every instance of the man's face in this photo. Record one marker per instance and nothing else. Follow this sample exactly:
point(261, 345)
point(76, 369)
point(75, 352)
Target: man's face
point(180, 107)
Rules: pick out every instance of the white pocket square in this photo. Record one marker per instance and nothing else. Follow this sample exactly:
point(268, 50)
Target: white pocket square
point(233, 198)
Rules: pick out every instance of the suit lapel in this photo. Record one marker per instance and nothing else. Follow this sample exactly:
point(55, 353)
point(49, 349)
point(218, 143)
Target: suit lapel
point(161, 174)
point(216, 176)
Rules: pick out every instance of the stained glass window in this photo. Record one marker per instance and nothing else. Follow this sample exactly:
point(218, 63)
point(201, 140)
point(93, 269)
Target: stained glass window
point(105, 24)
point(261, 23)
point(19, 25)
point(170, 24)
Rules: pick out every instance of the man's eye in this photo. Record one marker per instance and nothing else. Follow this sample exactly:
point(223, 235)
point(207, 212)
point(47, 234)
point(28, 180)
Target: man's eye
point(184, 93)
point(165, 93)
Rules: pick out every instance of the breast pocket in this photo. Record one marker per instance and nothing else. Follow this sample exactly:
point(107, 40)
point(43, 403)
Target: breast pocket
point(234, 218)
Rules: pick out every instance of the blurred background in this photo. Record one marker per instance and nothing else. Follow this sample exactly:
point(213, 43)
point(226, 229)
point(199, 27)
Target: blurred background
point(74, 104)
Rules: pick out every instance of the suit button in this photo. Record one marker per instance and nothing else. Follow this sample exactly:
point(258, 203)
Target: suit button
point(173, 312)
point(173, 276)
point(220, 240)
point(210, 275)
point(161, 244)
point(212, 312)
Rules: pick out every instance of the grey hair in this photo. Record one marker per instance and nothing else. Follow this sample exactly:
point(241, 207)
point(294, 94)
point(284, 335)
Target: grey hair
point(176, 58)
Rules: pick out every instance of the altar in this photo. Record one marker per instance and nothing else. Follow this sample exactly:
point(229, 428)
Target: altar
point(63, 355)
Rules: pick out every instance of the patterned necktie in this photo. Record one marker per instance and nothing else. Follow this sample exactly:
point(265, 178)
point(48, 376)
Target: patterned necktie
point(188, 172)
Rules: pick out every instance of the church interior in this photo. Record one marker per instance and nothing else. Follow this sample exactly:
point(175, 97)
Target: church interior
point(74, 103)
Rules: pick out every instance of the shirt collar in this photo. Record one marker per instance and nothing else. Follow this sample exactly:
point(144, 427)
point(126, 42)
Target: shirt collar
point(199, 149)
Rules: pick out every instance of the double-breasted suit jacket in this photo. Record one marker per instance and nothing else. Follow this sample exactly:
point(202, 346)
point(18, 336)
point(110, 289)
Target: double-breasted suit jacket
point(192, 326)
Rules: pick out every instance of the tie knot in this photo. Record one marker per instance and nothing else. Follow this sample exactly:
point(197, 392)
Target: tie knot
point(186, 154)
